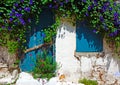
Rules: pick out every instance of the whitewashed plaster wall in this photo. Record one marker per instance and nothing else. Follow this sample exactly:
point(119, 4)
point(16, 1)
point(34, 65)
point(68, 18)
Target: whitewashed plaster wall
point(103, 67)
point(65, 46)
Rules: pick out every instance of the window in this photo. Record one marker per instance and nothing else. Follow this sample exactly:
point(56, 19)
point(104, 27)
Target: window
point(86, 39)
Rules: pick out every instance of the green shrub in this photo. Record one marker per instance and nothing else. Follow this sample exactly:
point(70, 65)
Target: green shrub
point(88, 82)
point(45, 67)
point(12, 46)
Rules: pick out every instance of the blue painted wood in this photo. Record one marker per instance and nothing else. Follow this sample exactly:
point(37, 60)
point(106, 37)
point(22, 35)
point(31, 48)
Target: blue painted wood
point(35, 37)
point(86, 39)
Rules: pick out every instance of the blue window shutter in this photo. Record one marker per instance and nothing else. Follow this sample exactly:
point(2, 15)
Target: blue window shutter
point(86, 39)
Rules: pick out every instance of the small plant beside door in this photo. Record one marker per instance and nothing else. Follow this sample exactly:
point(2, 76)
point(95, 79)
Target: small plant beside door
point(45, 67)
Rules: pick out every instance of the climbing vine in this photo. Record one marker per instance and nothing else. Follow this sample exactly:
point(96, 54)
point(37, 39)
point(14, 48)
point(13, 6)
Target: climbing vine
point(51, 31)
point(16, 17)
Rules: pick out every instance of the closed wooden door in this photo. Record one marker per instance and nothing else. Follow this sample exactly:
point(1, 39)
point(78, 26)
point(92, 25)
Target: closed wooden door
point(35, 37)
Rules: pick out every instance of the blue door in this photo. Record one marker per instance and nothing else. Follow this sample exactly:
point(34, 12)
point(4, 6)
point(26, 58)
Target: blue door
point(86, 39)
point(35, 37)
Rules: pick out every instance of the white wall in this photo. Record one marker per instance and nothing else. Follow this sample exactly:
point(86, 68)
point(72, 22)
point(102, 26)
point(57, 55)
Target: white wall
point(65, 47)
point(103, 67)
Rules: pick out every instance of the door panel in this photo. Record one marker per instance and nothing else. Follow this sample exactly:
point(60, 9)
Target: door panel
point(34, 38)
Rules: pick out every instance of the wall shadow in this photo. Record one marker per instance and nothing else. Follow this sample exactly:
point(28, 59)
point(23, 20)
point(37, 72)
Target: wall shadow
point(63, 28)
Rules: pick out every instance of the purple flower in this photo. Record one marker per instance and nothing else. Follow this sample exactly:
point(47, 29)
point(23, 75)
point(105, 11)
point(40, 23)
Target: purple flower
point(22, 21)
point(11, 14)
point(84, 1)
point(104, 7)
point(9, 28)
point(111, 34)
point(55, 6)
point(61, 4)
point(86, 14)
point(29, 20)
point(27, 9)
point(3, 27)
point(66, 1)
point(18, 15)
point(15, 23)
point(92, 6)
point(101, 18)
point(116, 16)
point(95, 1)
point(13, 10)
point(107, 4)
point(43, 35)
point(116, 23)
point(31, 2)
point(50, 6)
point(20, 9)
point(115, 4)
point(18, 39)
point(116, 32)
point(95, 31)
point(11, 19)
point(110, 8)
point(21, 1)
point(16, 4)
point(89, 8)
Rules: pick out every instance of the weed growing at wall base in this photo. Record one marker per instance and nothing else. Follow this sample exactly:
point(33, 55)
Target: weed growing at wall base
point(45, 67)
point(88, 82)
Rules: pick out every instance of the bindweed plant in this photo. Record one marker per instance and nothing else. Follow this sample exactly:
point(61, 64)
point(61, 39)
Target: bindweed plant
point(16, 16)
